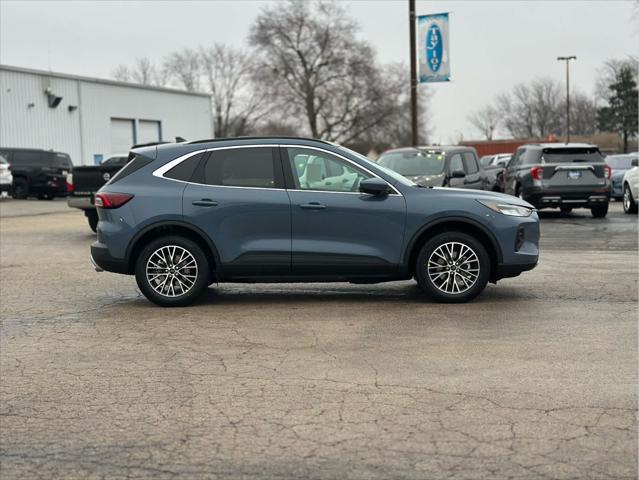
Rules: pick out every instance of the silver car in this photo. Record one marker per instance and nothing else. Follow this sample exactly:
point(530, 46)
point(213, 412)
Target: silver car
point(6, 179)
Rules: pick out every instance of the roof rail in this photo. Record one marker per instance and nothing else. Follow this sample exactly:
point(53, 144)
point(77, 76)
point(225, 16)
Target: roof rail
point(262, 137)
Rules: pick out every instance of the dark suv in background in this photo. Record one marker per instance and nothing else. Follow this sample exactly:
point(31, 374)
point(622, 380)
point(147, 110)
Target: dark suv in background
point(38, 173)
point(436, 166)
point(557, 175)
point(182, 216)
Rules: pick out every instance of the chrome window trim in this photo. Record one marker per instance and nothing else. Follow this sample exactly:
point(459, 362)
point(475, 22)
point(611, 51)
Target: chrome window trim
point(160, 171)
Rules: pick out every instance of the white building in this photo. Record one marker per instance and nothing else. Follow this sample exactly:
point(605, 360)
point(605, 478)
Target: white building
point(91, 118)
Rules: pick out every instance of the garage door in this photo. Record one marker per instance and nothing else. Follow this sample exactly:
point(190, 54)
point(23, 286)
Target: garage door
point(148, 131)
point(121, 135)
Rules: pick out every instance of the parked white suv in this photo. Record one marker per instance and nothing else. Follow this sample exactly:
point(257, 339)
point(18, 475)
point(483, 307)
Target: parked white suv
point(631, 187)
point(6, 179)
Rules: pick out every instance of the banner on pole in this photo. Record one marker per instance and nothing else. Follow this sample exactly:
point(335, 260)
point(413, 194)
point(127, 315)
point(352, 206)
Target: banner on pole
point(432, 48)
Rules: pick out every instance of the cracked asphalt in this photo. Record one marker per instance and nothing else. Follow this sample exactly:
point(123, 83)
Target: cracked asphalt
point(537, 378)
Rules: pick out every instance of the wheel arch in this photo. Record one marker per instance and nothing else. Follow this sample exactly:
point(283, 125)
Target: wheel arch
point(171, 227)
point(458, 224)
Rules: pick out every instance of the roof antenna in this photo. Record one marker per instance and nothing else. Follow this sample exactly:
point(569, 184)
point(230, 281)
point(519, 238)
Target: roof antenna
point(180, 140)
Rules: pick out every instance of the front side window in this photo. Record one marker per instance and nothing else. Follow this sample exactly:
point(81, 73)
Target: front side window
point(456, 163)
point(26, 158)
point(317, 170)
point(470, 163)
point(240, 167)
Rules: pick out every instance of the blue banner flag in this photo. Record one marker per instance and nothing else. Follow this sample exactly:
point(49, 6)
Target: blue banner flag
point(432, 48)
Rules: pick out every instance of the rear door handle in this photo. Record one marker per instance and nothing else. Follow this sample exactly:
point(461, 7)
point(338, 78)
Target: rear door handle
point(313, 206)
point(205, 202)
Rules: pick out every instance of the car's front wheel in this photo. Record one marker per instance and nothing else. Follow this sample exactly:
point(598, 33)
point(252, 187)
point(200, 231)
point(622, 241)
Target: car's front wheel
point(453, 267)
point(172, 271)
point(629, 204)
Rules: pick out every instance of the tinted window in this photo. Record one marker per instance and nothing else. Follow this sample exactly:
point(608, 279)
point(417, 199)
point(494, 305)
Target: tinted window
point(318, 170)
point(62, 160)
point(184, 170)
point(241, 167)
point(133, 166)
point(571, 154)
point(23, 158)
point(413, 163)
point(470, 162)
point(455, 163)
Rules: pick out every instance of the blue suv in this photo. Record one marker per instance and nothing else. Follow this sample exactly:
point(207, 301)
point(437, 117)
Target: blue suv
point(183, 216)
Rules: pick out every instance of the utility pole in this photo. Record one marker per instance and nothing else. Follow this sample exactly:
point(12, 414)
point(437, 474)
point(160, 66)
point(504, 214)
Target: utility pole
point(413, 72)
point(567, 60)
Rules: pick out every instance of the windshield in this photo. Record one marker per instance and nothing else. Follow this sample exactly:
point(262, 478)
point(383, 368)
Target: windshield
point(620, 162)
point(394, 175)
point(414, 163)
point(485, 160)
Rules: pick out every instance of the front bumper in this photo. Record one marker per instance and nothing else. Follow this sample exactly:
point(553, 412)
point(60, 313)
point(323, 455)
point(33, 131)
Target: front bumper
point(102, 259)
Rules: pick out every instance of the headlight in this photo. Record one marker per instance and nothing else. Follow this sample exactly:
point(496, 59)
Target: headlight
point(506, 209)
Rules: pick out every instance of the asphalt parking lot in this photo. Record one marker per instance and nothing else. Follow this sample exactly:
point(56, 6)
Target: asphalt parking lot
point(537, 378)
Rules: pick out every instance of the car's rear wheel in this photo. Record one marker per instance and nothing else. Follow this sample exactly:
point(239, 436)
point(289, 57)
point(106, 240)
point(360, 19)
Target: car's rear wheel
point(92, 218)
point(453, 267)
point(629, 204)
point(600, 211)
point(20, 188)
point(172, 271)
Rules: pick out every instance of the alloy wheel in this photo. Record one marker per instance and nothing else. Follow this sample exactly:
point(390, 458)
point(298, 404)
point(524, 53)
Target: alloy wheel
point(453, 267)
point(626, 199)
point(171, 271)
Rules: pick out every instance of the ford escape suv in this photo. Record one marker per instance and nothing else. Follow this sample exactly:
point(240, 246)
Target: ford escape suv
point(182, 216)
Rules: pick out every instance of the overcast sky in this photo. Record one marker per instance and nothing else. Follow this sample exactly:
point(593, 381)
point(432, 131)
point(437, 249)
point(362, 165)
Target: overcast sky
point(493, 44)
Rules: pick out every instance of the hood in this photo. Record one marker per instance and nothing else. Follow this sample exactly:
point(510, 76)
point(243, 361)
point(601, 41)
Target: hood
point(485, 196)
point(427, 180)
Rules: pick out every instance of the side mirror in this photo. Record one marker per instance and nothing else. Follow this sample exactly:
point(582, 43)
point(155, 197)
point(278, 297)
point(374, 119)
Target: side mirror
point(374, 186)
point(457, 174)
point(635, 162)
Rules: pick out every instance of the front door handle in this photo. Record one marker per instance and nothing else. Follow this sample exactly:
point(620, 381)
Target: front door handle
point(313, 206)
point(205, 202)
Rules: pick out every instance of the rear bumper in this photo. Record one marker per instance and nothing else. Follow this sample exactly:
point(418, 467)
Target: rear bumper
point(542, 198)
point(102, 259)
point(83, 203)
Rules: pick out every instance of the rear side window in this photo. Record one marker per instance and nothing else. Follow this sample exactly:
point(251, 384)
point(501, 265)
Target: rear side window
point(470, 162)
point(571, 154)
point(239, 167)
point(62, 160)
point(456, 163)
point(26, 158)
point(133, 166)
point(184, 170)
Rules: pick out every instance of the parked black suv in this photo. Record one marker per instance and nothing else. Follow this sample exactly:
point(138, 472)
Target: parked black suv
point(559, 175)
point(38, 173)
point(437, 166)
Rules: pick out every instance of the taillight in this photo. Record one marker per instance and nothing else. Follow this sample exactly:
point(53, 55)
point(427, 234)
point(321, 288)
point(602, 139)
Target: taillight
point(537, 173)
point(69, 183)
point(607, 171)
point(111, 200)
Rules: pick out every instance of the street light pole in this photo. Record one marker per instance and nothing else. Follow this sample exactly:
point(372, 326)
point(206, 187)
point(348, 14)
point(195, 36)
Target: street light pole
point(567, 60)
point(413, 72)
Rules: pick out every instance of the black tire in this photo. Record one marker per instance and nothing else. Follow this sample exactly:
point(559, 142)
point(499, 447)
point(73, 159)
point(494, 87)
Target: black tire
point(20, 189)
point(200, 282)
point(92, 218)
point(629, 204)
point(600, 211)
point(468, 292)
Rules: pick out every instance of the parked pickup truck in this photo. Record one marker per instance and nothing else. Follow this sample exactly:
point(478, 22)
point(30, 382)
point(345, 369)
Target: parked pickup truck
point(558, 175)
point(437, 166)
point(83, 182)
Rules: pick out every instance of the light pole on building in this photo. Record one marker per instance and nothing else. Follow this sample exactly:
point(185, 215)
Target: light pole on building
point(567, 60)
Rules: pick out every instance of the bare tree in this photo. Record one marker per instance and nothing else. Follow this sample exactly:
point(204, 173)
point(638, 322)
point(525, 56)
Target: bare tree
point(318, 70)
point(238, 103)
point(583, 114)
point(486, 120)
point(142, 71)
point(184, 69)
point(532, 109)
